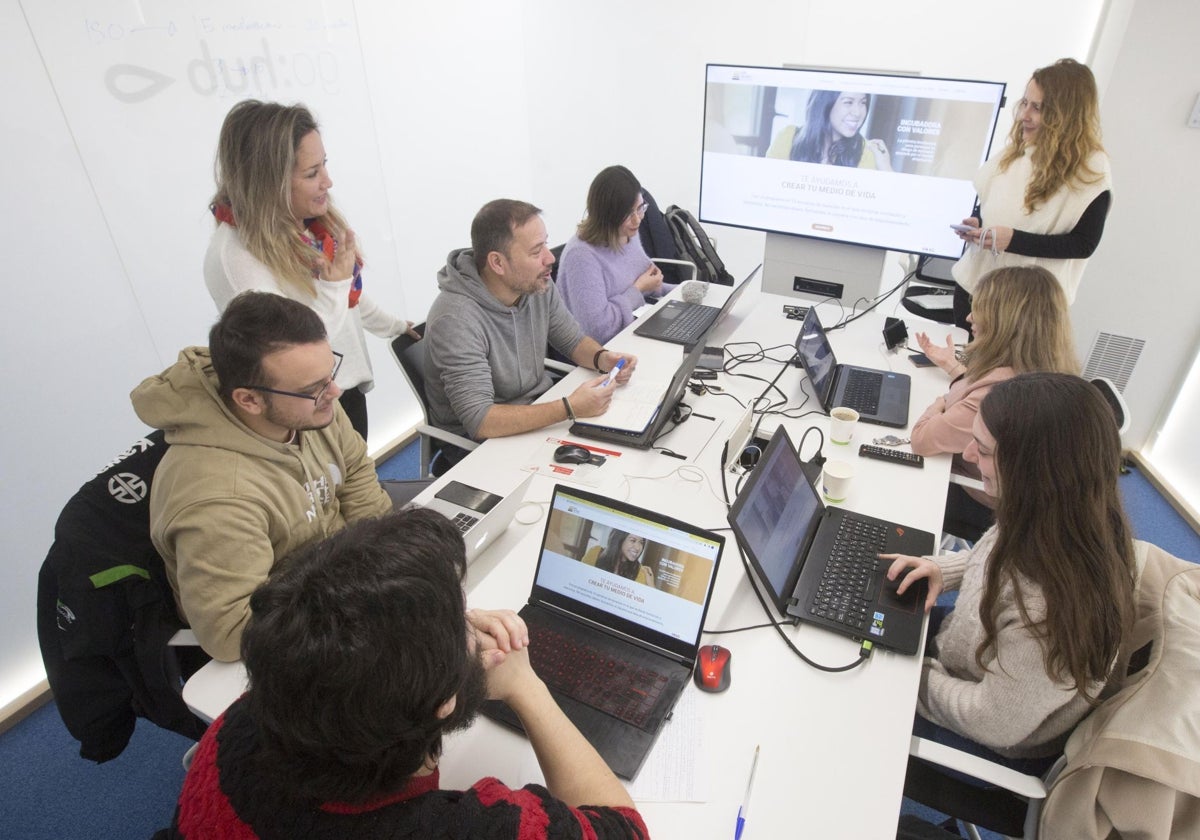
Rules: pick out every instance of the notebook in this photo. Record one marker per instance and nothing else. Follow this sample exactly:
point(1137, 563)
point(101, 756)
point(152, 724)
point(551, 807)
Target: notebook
point(638, 628)
point(479, 515)
point(680, 322)
point(651, 417)
point(798, 546)
point(879, 396)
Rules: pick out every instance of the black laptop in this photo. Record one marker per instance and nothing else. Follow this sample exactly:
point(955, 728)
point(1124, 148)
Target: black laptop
point(879, 396)
point(616, 644)
point(643, 437)
point(680, 322)
point(819, 563)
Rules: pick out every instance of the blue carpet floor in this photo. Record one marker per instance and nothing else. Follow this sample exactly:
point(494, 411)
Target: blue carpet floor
point(49, 792)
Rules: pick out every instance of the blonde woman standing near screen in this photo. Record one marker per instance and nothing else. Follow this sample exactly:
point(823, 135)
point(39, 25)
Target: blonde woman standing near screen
point(1045, 199)
point(278, 231)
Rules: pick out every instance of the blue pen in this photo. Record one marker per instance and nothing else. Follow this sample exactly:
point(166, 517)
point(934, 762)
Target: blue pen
point(612, 374)
point(744, 811)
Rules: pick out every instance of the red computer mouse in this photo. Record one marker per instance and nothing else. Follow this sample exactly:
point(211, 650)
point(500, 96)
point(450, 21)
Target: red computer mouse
point(713, 668)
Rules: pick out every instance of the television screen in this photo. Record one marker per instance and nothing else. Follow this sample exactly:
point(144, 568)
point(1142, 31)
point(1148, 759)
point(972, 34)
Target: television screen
point(870, 159)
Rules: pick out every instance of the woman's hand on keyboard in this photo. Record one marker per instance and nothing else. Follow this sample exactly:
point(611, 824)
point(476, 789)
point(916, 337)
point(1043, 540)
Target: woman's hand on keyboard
point(918, 567)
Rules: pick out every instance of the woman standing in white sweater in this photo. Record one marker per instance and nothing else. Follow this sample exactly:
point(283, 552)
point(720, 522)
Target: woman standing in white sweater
point(278, 231)
point(1045, 199)
point(1047, 595)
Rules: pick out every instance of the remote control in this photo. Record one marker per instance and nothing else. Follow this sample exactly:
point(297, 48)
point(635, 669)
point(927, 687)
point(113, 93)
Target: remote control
point(896, 456)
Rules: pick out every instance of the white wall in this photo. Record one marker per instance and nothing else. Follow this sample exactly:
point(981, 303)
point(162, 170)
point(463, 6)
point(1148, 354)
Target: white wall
point(1142, 280)
point(428, 110)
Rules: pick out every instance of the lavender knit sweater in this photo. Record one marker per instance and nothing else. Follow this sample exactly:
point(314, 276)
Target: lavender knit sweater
point(596, 284)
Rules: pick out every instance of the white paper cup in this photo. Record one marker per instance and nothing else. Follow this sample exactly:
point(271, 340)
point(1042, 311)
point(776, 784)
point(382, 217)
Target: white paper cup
point(842, 421)
point(835, 480)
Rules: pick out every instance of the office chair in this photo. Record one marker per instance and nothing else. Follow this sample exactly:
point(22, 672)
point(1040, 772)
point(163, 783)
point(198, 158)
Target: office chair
point(1112, 396)
point(1131, 765)
point(959, 531)
point(658, 242)
point(934, 297)
point(106, 619)
point(410, 355)
point(557, 252)
point(1108, 389)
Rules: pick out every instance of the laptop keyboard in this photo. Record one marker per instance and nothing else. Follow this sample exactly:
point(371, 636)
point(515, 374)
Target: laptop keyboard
point(850, 584)
point(690, 324)
point(624, 690)
point(862, 391)
point(464, 521)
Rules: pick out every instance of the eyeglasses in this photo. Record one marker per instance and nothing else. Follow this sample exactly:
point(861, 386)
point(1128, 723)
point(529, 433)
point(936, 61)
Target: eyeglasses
point(1024, 103)
point(641, 209)
point(316, 398)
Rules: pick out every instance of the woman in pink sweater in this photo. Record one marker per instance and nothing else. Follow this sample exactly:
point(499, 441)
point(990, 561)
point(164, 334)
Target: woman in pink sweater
point(1020, 324)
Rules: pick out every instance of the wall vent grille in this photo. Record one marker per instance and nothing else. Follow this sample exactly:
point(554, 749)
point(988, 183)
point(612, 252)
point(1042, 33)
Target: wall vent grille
point(1113, 357)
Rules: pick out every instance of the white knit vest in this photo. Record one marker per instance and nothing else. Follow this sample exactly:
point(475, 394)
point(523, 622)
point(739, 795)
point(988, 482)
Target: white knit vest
point(1002, 202)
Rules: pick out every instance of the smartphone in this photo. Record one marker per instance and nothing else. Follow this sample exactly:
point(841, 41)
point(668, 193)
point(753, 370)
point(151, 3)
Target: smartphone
point(920, 360)
point(963, 228)
point(469, 497)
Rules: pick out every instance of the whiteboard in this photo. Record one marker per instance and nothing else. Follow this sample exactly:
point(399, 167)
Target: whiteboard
point(144, 87)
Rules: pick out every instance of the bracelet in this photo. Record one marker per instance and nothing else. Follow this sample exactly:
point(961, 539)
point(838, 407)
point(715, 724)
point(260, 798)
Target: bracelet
point(570, 412)
point(596, 362)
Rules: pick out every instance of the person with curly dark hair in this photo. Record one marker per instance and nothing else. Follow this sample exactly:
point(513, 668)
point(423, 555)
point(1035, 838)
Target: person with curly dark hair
point(360, 658)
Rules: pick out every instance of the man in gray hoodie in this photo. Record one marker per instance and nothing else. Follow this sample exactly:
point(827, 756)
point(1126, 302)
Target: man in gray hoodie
point(489, 328)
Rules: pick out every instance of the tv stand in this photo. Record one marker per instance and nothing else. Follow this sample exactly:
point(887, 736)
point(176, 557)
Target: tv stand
point(812, 268)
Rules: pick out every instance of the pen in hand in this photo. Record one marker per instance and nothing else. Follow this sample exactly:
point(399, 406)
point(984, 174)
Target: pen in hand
point(612, 374)
point(744, 811)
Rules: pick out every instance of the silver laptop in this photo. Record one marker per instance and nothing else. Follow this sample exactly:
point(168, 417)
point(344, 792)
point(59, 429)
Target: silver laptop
point(479, 515)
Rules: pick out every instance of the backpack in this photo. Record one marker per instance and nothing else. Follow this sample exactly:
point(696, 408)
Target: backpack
point(694, 245)
point(105, 612)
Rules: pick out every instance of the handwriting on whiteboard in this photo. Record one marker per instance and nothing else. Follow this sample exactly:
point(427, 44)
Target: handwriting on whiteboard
point(256, 66)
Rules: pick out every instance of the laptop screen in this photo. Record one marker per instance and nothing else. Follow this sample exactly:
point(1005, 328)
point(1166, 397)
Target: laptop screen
point(644, 574)
point(734, 295)
point(775, 517)
point(816, 355)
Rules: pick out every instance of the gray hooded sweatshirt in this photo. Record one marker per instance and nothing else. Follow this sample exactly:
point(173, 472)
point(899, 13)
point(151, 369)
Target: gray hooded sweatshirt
point(482, 353)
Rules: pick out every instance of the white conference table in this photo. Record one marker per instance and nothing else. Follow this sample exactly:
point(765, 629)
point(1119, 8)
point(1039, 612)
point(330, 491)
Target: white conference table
point(834, 745)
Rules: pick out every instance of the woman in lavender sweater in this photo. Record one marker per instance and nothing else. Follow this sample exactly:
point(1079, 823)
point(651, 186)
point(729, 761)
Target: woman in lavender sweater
point(604, 272)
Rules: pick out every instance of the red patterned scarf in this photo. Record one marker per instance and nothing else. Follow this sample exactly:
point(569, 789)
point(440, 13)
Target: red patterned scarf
point(318, 236)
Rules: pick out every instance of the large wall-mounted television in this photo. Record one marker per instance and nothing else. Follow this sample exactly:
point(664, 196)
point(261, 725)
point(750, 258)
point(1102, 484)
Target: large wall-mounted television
point(870, 159)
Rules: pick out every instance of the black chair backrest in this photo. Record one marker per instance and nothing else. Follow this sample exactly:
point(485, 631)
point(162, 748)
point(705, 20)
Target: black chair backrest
point(412, 357)
point(657, 240)
point(557, 252)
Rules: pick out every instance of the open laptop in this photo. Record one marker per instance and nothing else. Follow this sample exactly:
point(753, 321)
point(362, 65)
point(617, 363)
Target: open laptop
point(479, 515)
point(798, 547)
point(879, 396)
point(680, 322)
point(643, 436)
point(616, 647)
